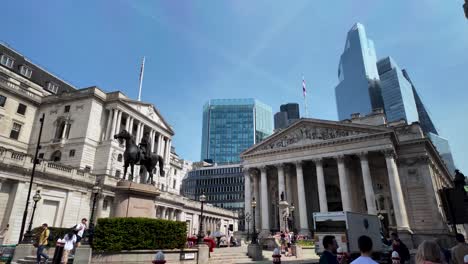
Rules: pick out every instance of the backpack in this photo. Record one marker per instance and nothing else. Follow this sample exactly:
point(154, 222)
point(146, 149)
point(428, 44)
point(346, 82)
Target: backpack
point(50, 238)
point(405, 254)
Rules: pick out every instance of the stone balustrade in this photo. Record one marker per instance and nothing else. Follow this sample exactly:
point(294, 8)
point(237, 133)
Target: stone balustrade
point(24, 161)
point(19, 89)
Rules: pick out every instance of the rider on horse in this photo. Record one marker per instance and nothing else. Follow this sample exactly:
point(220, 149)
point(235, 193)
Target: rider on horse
point(145, 146)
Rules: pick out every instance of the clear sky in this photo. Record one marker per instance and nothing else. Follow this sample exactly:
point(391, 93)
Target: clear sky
point(197, 50)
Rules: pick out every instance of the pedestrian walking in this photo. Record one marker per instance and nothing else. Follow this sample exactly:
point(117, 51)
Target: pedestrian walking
point(79, 230)
point(328, 255)
point(365, 247)
point(428, 253)
point(69, 240)
point(401, 248)
point(229, 237)
point(42, 243)
point(446, 253)
point(460, 250)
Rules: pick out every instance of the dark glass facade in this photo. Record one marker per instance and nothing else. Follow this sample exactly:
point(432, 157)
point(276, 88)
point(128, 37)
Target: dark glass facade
point(287, 115)
point(230, 126)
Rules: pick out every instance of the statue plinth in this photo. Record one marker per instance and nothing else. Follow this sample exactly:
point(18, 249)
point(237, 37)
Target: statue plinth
point(135, 199)
point(284, 214)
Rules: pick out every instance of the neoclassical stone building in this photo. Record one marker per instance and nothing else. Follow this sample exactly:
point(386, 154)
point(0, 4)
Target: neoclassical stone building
point(362, 165)
point(78, 151)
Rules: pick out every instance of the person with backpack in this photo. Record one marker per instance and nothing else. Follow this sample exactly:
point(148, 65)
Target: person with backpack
point(42, 242)
point(69, 240)
point(401, 248)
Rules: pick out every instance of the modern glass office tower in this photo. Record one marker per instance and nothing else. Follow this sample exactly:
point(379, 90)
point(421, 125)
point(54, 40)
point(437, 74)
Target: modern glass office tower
point(397, 92)
point(288, 114)
point(230, 126)
point(358, 90)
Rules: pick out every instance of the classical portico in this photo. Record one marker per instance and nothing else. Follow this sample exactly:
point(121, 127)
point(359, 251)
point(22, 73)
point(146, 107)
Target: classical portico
point(323, 166)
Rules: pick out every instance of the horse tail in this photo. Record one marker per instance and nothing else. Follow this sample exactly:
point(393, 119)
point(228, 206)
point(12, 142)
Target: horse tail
point(161, 165)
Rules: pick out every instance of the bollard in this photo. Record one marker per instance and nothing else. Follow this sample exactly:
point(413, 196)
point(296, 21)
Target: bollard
point(395, 258)
point(276, 256)
point(465, 259)
point(58, 253)
point(159, 258)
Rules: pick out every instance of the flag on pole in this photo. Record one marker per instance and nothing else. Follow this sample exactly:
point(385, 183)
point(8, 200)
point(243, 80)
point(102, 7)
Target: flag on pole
point(142, 70)
point(304, 90)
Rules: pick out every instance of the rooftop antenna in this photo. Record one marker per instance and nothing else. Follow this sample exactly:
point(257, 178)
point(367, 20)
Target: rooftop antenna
point(142, 71)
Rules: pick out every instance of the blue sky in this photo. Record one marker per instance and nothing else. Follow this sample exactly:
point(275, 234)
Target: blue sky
point(233, 49)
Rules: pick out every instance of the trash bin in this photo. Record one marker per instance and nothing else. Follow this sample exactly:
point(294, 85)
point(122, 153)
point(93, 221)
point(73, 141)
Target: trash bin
point(58, 253)
point(6, 253)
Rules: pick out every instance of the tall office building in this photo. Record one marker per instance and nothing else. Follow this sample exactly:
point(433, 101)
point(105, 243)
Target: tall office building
point(288, 114)
point(230, 126)
point(390, 88)
point(358, 90)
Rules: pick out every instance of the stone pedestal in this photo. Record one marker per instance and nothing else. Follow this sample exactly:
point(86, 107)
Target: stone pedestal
point(254, 251)
point(135, 199)
point(83, 255)
point(203, 253)
point(283, 212)
point(22, 251)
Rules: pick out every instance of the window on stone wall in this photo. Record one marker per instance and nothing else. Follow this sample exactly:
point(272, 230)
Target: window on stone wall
point(2, 100)
point(15, 130)
point(56, 156)
point(67, 109)
point(21, 109)
point(25, 71)
point(117, 173)
point(71, 153)
point(41, 155)
point(119, 158)
point(105, 204)
point(7, 61)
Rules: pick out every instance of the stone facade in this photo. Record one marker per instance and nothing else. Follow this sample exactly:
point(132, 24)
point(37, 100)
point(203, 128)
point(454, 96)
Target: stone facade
point(78, 151)
point(361, 165)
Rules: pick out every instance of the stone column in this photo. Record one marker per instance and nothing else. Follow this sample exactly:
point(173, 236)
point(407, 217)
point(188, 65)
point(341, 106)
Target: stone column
point(398, 201)
point(152, 133)
point(163, 212)
point(114, 123)
point(256, 194)
point(130, 126)
point(127, 123)
point(158, 147)
point(289, 192)
point(303, 225)
point(109, 125)
point(168, 150)
point(344, 184)
point(119, 122)
point(281, 187)
point(247, 194)
point(322, 191)
point(367, 181)
point(264, 200)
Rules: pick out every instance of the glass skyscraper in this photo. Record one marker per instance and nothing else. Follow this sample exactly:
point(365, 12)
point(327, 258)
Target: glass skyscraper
point(397, 92)
point(230, 126)
point(358, 90)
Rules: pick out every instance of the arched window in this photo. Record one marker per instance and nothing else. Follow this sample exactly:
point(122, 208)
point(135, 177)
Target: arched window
point(119, 158)
point(56, 156)
point(117, 173)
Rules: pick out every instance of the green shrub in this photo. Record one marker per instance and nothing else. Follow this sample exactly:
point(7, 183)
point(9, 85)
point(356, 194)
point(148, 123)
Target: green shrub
point(56, 233)
point(305, 243)
point(116, 234)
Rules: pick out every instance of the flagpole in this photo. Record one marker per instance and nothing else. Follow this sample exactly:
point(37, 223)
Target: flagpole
point(304, 92)
point(142, 71)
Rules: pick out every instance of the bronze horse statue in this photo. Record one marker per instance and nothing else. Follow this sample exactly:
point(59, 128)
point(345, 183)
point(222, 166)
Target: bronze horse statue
point(133, 155)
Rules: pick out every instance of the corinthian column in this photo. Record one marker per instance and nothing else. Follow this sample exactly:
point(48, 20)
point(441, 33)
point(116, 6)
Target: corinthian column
point(399, 206)
point(321, 186)
point(264, 200)
point(303, 225)
point(344, 184)
point(368, 187)
point(281, 189)
point(247, 194)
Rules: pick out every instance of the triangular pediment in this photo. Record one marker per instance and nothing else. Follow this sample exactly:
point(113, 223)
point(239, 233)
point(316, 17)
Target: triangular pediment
point(150, 112)
point(311, 131)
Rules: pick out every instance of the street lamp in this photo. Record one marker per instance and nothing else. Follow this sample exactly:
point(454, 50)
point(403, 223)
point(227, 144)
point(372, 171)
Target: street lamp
point(202, 199)
point(292, 208)
point(96, 190)
point(254, 235)
point(248, 217)
point(28, 237)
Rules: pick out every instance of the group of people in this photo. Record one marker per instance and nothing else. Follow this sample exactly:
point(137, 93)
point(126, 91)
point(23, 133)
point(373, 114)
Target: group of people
point(428, 252)
point(71, 241)
point(287, 239)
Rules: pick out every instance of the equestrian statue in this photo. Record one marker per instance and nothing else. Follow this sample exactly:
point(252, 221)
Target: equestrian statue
point(139, 155)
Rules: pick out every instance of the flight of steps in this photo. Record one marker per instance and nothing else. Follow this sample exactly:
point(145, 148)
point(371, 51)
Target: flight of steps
point(32, 259)
point(230, 256)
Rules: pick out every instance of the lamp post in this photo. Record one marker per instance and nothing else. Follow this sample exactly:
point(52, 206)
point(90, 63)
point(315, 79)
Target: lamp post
point(247, 220)
point(292, 208)
point(254, 235)
point(28, 237)
point(96, 190)
point(36, 161)
point(202, 199)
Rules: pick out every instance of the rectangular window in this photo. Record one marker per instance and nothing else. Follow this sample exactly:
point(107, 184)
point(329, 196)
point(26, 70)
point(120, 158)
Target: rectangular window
point(72, 153)
point(2, 100)
point(7, 61)
point(67, 109)
point(41, 155)
point(174, 184)
point(15, 131)
point(25, 71)
point(52, 87)
point(21, 109)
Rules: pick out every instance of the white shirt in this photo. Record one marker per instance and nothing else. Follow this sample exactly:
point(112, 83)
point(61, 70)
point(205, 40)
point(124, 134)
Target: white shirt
point(364, 260)
point(69, 242)
point(81, 228)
